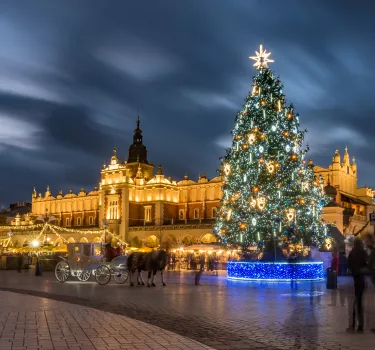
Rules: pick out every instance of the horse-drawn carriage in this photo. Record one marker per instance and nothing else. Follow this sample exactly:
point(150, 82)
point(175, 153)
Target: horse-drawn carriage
point(86, 259)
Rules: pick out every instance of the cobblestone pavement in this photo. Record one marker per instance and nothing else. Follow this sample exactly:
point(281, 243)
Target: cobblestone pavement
point(33, 323)
point(222, 314)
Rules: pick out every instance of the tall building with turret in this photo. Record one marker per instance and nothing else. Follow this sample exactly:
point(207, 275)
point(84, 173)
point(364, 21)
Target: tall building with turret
point(138, 203)
point(351, 205)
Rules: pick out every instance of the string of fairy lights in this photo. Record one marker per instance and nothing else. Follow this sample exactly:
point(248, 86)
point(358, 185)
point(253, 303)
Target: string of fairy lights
point(56, 230)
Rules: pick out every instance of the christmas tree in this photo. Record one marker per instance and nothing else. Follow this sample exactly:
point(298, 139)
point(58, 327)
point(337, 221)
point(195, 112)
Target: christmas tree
point(269, 192)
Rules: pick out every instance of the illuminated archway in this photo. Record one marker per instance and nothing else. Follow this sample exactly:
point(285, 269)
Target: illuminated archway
point(97, 240)
point(169, 241)
point(83, 240)
point(71, 240)
point(208, 238)
point(152, 241)
point(188, 240)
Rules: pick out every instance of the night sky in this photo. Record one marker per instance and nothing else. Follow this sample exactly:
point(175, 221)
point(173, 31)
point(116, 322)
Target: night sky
point(74, 73)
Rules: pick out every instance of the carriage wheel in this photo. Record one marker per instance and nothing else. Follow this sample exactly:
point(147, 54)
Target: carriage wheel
point(83, 275)
point(103, 275)
point(121, 276)
point(62, 271)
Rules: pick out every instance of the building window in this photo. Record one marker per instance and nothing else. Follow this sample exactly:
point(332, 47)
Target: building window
point(91, 220)
point(67, 222)
point(148, 213)
point(214, 212)
point(196, 213)
point(181, 214)
point(113, 210)
point(79, 221)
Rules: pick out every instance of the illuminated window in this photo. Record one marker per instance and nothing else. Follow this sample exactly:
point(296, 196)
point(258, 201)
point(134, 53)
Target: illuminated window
point(79, 221)
point(91, 220)
point(148, 213)
point(196, 213)
point(113, 210)
point(214, 212)
point(67, 222)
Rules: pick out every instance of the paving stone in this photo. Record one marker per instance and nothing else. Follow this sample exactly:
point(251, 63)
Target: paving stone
point(218, 313)
point(70, 318)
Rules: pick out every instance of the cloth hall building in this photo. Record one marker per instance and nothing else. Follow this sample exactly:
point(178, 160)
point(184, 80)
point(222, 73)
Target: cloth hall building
point(140, 205)
point(138, 202)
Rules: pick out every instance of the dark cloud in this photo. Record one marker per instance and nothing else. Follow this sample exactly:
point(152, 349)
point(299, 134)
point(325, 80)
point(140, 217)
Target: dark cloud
point(73, 77)
point(71, 127)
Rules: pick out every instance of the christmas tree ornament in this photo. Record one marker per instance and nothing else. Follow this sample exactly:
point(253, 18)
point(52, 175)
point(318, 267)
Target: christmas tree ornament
point(270, 168)
point(229, 215)
point(227, 169)
point(251, 138)
point(253, 202)
point(261, 201)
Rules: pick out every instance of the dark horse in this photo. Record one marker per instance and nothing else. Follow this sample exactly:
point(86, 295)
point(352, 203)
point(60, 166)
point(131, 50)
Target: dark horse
point(150, 262)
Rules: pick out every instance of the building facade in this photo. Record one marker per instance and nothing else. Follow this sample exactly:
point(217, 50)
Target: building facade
point(140, 205)
point(350, 206)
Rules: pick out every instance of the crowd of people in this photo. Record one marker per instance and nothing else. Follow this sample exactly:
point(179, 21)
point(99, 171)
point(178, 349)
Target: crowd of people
point(24, 262)
point(195, 261)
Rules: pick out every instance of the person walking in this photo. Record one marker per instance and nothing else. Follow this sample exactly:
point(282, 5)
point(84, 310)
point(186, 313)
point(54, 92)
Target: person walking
point(371, 264)
point(371, 256)
point(198, 274)
point(357, 263)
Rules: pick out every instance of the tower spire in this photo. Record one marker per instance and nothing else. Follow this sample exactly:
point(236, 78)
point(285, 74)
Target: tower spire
point(346, 156)
point(137, 151)
point(114, 159)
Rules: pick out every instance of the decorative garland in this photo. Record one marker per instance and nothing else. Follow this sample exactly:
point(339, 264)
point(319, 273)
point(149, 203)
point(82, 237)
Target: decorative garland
point(55, 230)
point(84, 232)
point(21, 228)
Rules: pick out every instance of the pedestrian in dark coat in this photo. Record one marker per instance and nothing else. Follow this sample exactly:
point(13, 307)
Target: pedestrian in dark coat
point(199, 271)
point(357, 263)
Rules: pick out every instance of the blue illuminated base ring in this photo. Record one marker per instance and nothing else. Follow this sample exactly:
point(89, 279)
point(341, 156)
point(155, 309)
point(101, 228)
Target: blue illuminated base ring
point(275, 271)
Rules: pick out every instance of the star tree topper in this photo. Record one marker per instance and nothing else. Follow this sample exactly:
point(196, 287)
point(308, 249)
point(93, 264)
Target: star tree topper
point(261, 59)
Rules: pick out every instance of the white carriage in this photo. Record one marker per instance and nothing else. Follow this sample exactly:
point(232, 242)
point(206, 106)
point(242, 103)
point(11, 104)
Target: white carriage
point(87, 259)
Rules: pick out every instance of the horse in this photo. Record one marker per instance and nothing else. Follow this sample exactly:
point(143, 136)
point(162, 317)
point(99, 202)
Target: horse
point(150, 262)
point(136, 262)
